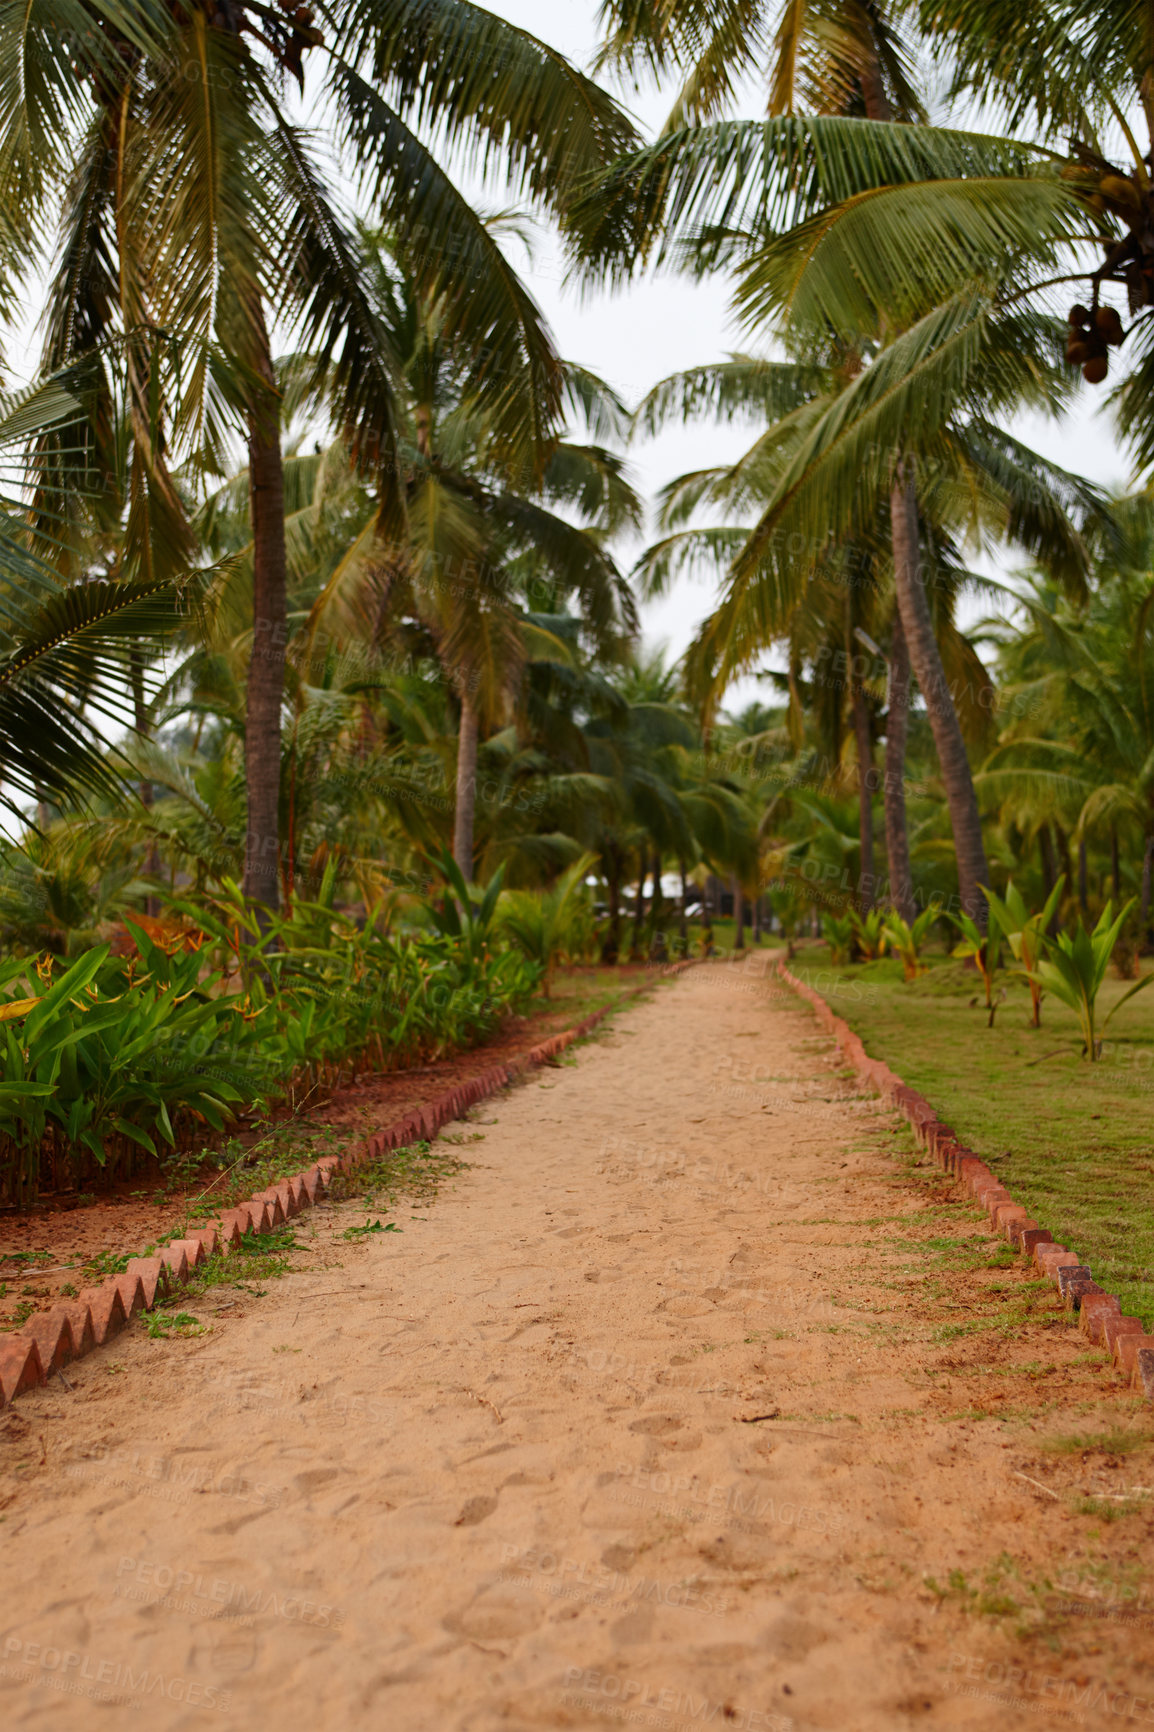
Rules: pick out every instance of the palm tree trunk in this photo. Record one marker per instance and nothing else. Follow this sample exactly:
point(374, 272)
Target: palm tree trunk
point(897, 730)
point(655, 905)
point(611, 943)
point(707, 915)
point(738, 915)
point(262, 735)
point(1063, 845)
point(861, 728)
point(927, 665)
point(874, 99)
point(140, 719)
point(1049, 869)
point(639, 911)
point(465, 808)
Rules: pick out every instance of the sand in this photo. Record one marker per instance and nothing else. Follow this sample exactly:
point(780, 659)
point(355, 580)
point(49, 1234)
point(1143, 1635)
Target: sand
point(662, 1413)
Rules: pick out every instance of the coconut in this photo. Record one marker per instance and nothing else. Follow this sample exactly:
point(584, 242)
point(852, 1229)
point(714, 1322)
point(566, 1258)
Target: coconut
point(1109, 326)
point(1118, 190)
point(1095, 369)
point(1079, 316)
point(1078, 351)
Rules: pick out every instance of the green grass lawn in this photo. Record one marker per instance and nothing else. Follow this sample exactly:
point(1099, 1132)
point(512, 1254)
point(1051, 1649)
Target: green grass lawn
point(1073, 1141)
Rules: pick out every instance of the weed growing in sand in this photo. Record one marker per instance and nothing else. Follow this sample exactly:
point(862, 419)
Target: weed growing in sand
point(1004, 1591)
point(415, 1172)
point(282, 1148)
point(370, 1227)
point(1113, 1583)
point(106, 1263)
point(163, 1325)
point(257, 1258)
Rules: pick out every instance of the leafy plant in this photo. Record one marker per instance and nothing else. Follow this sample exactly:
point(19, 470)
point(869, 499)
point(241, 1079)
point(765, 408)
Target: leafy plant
point(984, 949)
point(550, 926)
point(1074, 969)
point(225, 1015)
point(1025, 934)
point(907, 940)
point(870, 933)
point(839, 932)
point(460, 916)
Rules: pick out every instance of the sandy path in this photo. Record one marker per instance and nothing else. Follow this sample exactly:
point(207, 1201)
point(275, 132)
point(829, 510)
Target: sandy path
point(663, 1411)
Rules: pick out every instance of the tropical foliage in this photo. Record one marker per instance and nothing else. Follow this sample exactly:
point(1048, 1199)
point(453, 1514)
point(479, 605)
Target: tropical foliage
point(327, 730)
point(156, 1050)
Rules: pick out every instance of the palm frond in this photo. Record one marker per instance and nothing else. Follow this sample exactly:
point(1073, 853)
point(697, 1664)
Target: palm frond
point(457, 264)
point(743, 387)
point(457, 67)
point(766, 177)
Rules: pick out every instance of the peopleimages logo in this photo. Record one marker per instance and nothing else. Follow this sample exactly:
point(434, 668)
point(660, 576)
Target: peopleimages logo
point(82, 1674)
point(1025, 1687)
point(736, 1501)
point(570, 1578)
point(609, 1695)
point(189, 1591)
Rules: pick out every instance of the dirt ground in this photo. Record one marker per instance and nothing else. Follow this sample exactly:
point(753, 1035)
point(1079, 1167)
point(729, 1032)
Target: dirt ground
point(693, 1401)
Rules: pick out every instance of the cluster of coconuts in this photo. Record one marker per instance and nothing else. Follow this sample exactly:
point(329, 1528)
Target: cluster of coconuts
point(1092, 336)
point(303, 18)
point(229, 16)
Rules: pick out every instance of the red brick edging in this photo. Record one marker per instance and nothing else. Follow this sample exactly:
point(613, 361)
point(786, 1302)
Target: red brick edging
point(31, 1355)
point(1099, 1313)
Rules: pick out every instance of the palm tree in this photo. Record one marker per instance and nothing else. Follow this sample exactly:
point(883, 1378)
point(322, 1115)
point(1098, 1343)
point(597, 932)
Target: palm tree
point(188, 203)
point(66, 633)
point(1084, 746)
point(791, 203)
point(848, 57)
point(485, 534)
point(822, 599)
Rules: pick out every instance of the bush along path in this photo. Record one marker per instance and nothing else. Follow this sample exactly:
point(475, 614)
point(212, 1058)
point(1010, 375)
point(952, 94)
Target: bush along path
point(71, 1329)
point(1099, 1313)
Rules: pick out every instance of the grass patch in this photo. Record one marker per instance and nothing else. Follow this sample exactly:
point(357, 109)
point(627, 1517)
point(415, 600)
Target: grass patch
point(415, 1173)
point(1110, 1509)
point(1004, 1592)
point(257, 1259)
point(164, 1325)
point(282, 1149)
point(1116, 1441)
point(1071, 1140)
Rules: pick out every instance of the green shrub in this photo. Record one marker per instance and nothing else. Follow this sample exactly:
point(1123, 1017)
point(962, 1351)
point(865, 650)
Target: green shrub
point(164, 1048)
